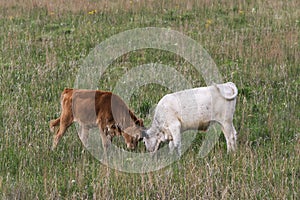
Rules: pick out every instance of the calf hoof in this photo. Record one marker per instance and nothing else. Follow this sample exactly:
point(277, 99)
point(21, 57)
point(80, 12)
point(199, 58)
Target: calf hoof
point(51, 129)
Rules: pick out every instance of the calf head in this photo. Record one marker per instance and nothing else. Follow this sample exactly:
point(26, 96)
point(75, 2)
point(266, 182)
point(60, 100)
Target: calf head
point(131, 140)
point(140, 133)
point(151, 143)
point(133, 135)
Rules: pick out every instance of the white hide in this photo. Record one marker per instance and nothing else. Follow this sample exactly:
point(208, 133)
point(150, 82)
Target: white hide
point(193, 109)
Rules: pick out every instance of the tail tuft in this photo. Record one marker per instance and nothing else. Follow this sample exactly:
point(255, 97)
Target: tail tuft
point(228, 90)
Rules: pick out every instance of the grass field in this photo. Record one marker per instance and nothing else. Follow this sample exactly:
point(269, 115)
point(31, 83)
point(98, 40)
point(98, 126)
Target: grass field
point(255, 44)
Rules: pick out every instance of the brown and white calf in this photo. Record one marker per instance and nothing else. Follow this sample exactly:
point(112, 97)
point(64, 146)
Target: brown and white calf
point(192, 109)
point(95, 108)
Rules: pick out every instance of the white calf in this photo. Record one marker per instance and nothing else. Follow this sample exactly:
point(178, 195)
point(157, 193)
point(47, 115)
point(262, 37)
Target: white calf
point(193, 109)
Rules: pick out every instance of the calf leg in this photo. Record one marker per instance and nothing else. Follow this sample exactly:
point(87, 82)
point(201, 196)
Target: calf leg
point(174, 132)
point(60, 132)
point(230, 135)
point(83, 134)
point(105, 143)
point(65, 122)
point(104, 138)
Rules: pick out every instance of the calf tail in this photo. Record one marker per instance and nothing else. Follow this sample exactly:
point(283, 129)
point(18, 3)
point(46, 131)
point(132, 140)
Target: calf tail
point(54, 123)
point(228, 90)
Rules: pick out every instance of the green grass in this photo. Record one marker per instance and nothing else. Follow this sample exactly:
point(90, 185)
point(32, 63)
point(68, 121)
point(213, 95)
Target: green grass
point(254, 44)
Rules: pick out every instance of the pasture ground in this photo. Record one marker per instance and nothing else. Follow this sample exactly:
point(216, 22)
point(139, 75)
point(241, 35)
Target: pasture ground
point(255, 44)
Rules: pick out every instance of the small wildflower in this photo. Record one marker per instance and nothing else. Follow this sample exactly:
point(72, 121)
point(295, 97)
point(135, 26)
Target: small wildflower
point(92, 12)
point(208, 23)
point(241, 12)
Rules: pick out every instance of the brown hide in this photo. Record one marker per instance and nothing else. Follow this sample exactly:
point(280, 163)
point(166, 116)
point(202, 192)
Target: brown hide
point(94, 108)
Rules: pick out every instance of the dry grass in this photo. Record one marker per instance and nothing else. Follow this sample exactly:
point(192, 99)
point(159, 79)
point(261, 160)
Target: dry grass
point(255, 44)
